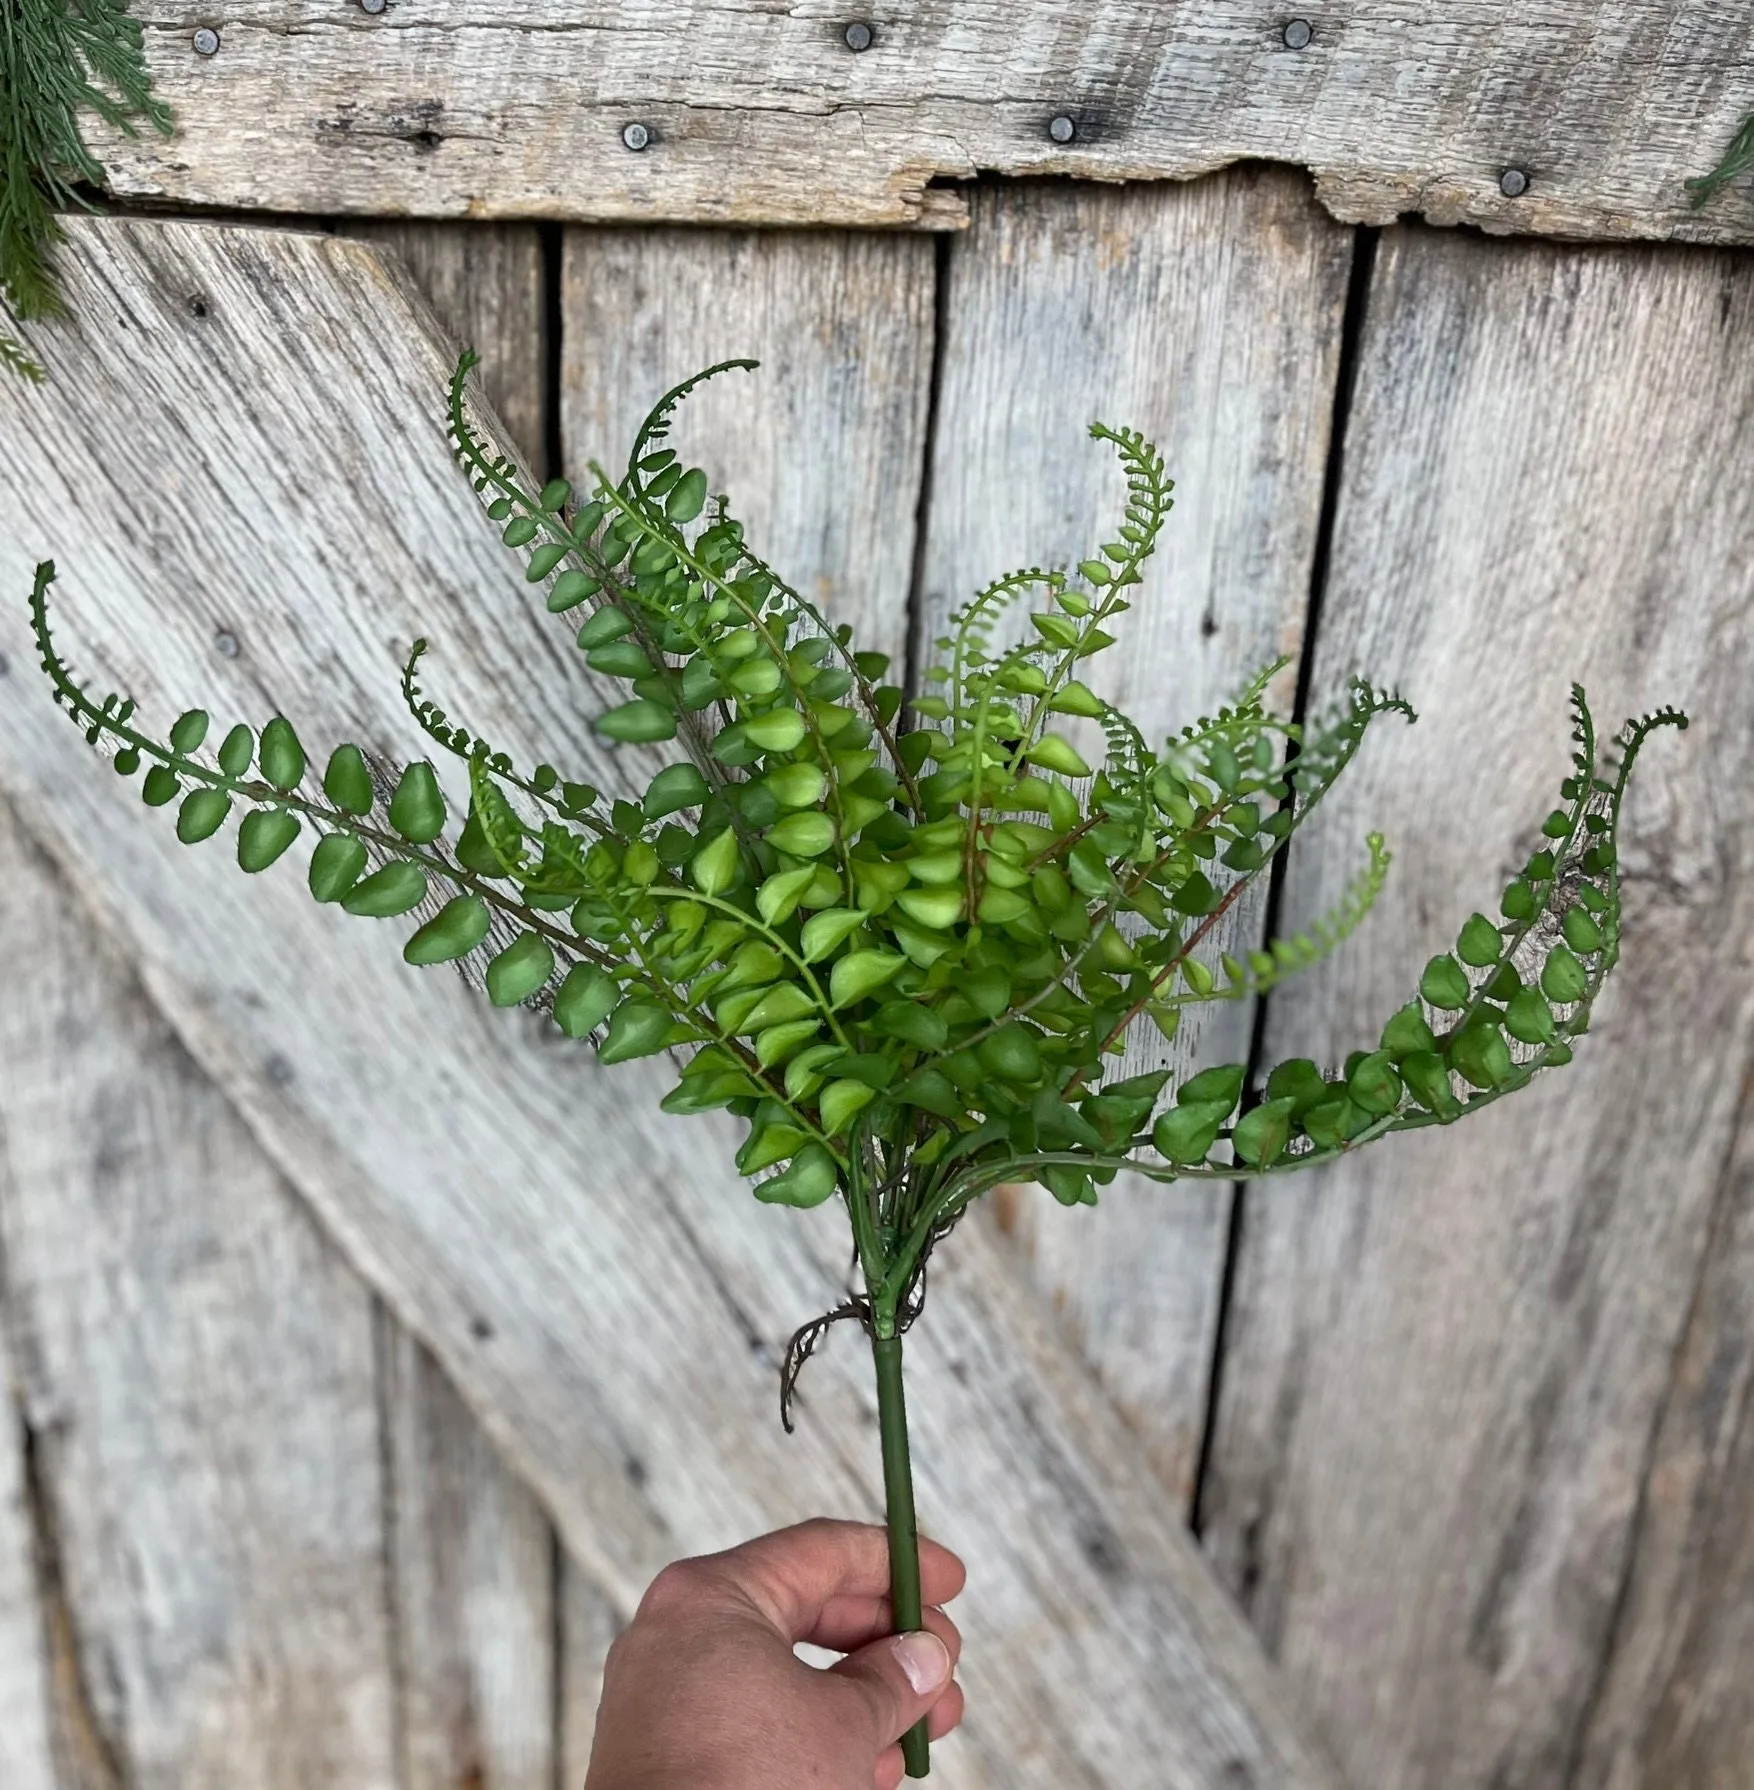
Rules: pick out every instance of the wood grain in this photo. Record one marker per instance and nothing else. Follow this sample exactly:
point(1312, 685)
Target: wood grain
point(760, 114)
point(207, 1444)
point(1449, 1359)
point(589, 1622)
point(27, 1760)
point(473, 1566)
point(485, 284)
point(821, 449)
point(1674, 1704)
point(604, 1292)
point(1207, 315)
point(474, 1561)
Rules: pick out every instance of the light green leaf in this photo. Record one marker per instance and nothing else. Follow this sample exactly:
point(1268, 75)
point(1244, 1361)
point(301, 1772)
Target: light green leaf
point(840, 1101)
point(825, 931)
point(859, 973)
point(779, 895)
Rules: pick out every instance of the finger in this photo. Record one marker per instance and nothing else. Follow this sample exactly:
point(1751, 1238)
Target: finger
point(792, 1575)
point(850, 1623)
point(897, 1681)
point(946, 1712)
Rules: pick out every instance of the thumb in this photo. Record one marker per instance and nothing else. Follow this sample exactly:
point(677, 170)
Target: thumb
point(899, 1679)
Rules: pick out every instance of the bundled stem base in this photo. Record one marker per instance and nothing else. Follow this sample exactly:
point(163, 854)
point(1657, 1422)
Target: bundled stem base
point(898, 1503)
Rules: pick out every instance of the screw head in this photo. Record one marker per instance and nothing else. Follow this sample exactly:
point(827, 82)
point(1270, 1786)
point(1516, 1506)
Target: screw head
point(858, 35)
point(1298, 34)
point(372, 5)
point(1513, 183)
point(225, 643)
point(1062, 129)
point(635, 136)
point(206, 41)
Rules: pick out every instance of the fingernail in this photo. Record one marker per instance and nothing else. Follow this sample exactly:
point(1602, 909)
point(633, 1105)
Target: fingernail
point(925, 1660)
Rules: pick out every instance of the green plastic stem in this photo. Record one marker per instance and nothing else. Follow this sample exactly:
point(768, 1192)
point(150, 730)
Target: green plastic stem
point(904, 1540)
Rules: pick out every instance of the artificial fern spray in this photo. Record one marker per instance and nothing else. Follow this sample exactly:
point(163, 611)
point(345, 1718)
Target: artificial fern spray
point(908, 960)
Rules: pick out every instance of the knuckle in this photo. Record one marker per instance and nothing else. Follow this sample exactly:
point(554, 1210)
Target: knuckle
point(679, 1587)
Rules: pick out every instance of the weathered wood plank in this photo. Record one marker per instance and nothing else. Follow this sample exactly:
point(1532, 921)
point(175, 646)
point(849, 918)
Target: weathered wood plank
point(599, 1284)
point(1674, 1706)
point(484, 283)
point(761, 114)
point(473, 1565)
point(589, 1622)
point(820, 450)
point(207, 1445)
point(27, 1760)
point(473, 1557)
point(1448, 1360)
point(1207, 315)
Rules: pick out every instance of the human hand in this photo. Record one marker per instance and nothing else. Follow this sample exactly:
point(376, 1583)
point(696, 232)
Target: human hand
point(703, 1691)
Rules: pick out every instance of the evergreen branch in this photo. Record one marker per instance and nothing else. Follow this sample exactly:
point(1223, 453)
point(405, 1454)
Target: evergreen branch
point(1737, 160)
point(59, 58)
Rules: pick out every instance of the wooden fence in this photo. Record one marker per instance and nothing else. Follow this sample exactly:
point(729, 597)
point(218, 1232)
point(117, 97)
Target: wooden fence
point(354, 1401)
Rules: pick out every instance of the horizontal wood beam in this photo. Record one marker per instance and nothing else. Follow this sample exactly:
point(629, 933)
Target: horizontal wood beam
point(1554, 120)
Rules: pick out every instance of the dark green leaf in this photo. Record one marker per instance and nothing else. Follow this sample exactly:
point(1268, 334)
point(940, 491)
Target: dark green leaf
point(336, 865)
point(1407, 1032)
point(393, 890)
point(347, 783)
point(584, 999)
point(202, 815)
point(263, 836)
point(1445, 984)
point(454, 931)
point(283, 758)
point(638, 722)
point(637, 1028)
point(1563, 978)
point(236, 751)
point(519, 970)
point(1223, 1083)
point(1261, 1135)
point(1374, 1085)
point(1480, 942)
point(1186, 1133)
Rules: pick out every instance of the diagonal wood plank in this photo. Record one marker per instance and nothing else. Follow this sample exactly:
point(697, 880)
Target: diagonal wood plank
point(578, 1267)
point(763, 114)
point(1449, 1359)
point(486, 283)
point(1207, 315)
point(213, 1483)
point(820, 450)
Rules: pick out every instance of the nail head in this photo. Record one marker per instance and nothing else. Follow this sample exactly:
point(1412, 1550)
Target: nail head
point(225, 643)
point(858, 35)
point(1062, 129)
point(372, 5)
point(1513, 183)
point(206, 41)
point(635, 136)
point(1298, 34)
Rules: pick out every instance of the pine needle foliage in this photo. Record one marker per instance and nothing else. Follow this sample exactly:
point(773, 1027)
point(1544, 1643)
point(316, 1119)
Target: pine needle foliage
point(1737, 160)
point(907, 960)
point(58, 58)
